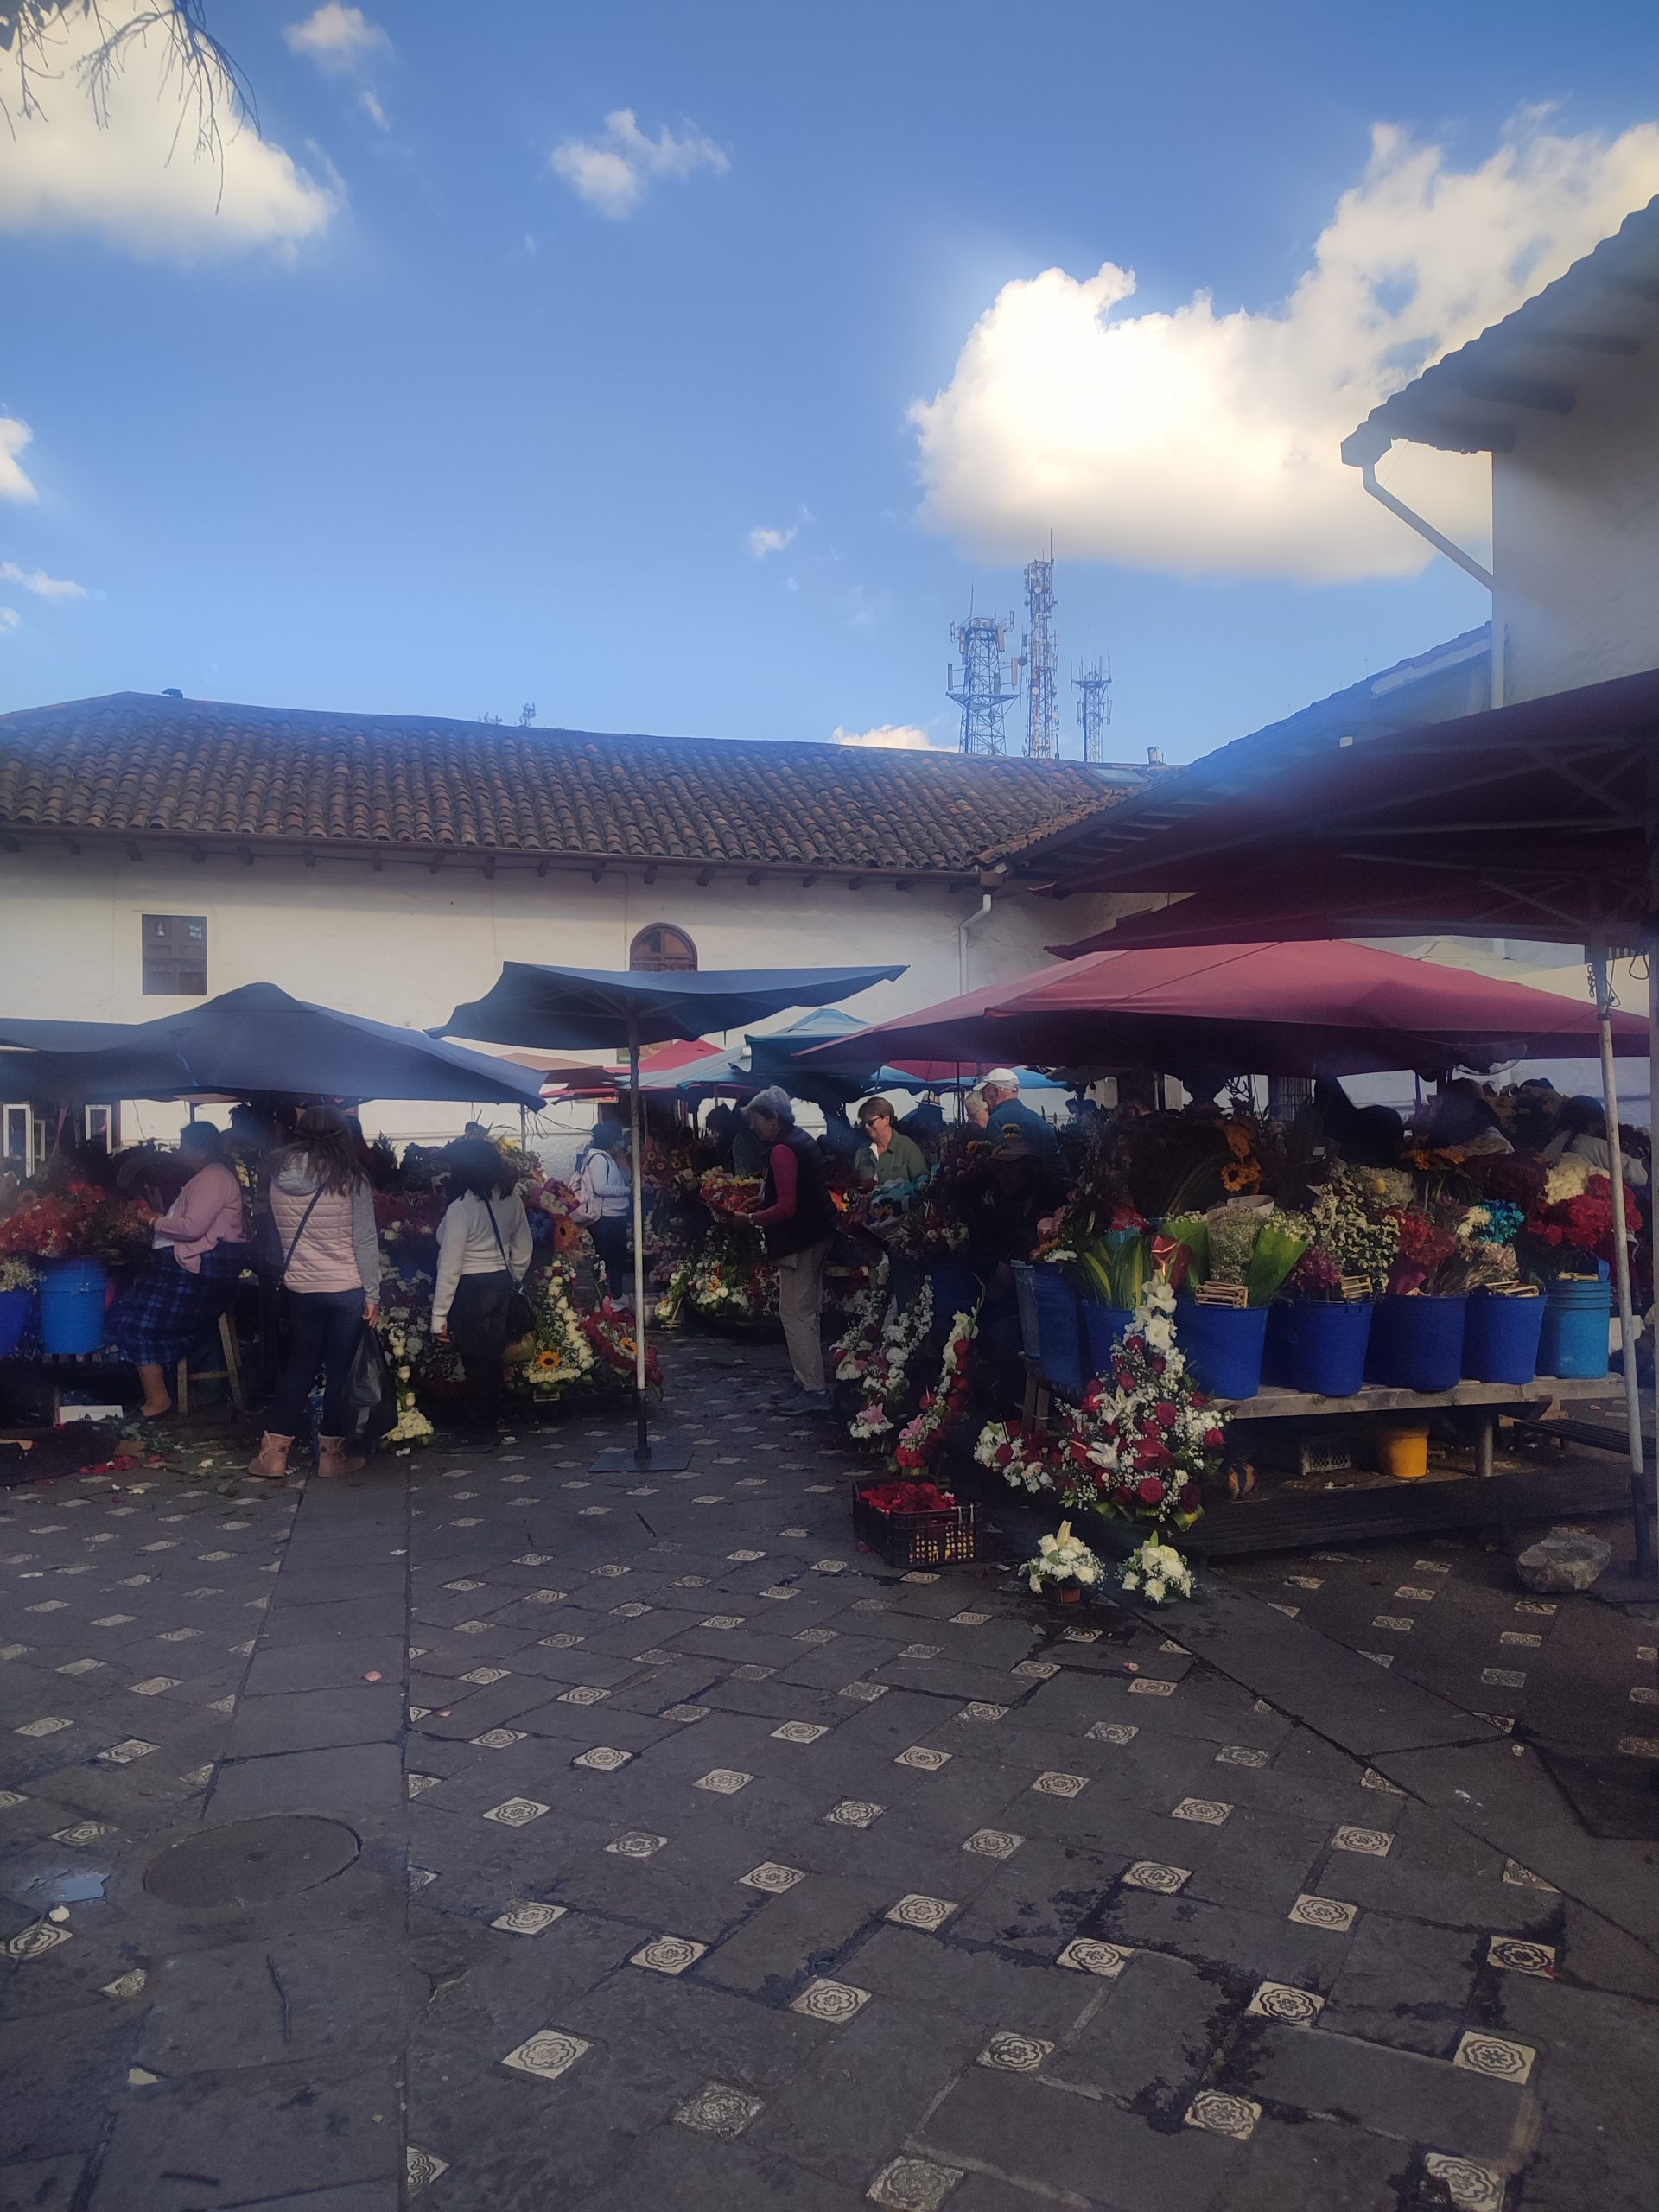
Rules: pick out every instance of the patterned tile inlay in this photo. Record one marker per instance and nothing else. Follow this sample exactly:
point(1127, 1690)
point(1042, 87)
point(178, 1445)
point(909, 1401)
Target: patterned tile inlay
point(865, 1693)
point(1472, 2188)
point(1085, 1955)
point(1111, 1732)
point(669, 1954)
point(723, 1782)
point(1209, 1810)
point(771, 1878)
point(1149, 1874)
point(1309, 1911)
point(1516, 1955)
point(1282, 2001)
point(1373, 1843)
point(978, 1710)
point(834, 2002)
point(992, 1843)
point(917, 1912)
point(924, 1758)
point(1221, 2115)
point(1035, 1671)
point(1014, 2054)
point(636, 1844)
point(516, 1812)
point(1523, 1877)
point(582, 1694)
point(547, 2054)
point(528, 1919)
point(853, 1813)
point(718, 2109)
point(421, 2169)
point(604, 1758)
point(799, 1731)
point(500, 1739)
point(1241, 1755)
point(1483, 2054)
point(35, 1942)
point(913, 2185)
point(1060, 1785)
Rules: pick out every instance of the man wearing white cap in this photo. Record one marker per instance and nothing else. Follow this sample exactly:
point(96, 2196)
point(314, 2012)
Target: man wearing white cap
point(1001, 1089)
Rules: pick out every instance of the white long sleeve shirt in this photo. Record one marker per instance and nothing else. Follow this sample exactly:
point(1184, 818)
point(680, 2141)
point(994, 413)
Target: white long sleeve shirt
point(467, 1246)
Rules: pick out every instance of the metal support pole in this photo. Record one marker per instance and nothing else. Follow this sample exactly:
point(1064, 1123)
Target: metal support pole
point(1641, 1504)
point(641, 1431)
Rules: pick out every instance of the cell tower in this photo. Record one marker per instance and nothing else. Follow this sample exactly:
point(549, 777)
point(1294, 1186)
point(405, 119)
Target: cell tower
point(1094, 690)
point(982, 687)
point(1042, 663)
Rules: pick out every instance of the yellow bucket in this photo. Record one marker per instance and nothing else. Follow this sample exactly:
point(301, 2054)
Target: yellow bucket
point(1403, 1450)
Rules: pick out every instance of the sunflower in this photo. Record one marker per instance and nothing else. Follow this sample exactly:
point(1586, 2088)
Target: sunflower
point(567, 1234)
point(1238, 1141)
point(547, 1361)
point(1240, 1175)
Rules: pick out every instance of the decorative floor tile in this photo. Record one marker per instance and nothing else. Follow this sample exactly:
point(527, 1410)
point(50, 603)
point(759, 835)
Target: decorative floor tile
point(124, 1753)
point(485, 1676)
point(771, 1878)
point(992, 1843)
point(924, 1758)
point(1061, 1785)
point(979, 1710)
point(50, 1725)
point(722, 1621)
point(1397, 1622)
point(1525, 1642)
point(515, 1812)
point(1013, 2054)
point(131, 1983)
point(1150, 1874)
point(653, 1657)
point(1641, 1695)
point(632, 1612)
point(1516, 1955)
point(799, 1732)
point(864, 1693)
point(921, 1651)
point(1373, 1843)
point(603, 1758)
point(1149, 1686)
point(1290, 1612)
point(834, 2002)
point(1282, 2001)
point(528, 1919)
point(1523, 1877)
point(1035, 1671)
point(1417, 1596)
point(1110, 1732)
point(1085, 1955)
point(547, 2054)
point(419, 1876)
point(564, 1641)
point(83, 1834)
point(1309, 1911)
point(723, 1781)
point(916, 1574)
point(498, 1740)
point(1639, 1747)
point(1503, 1678)
point(1221, 2115)
point(1472, 2188)
point(853, 1813)
point(636, 1844)
point(686, 1714)
point(917, 1912)
point(1484, 2054)
point(153, 1685)
point(913, 2185)
point(969, 1620)
point(35, 1942)
point(1210, 1810)
point(582, 1694)
point(1313, 1582)
point(1241, 1755)
point(718, 2109)
point(1081, 1636)
point(816, 1636)
point(745, 1558)
point(1372, 1780)
point(669, 1954)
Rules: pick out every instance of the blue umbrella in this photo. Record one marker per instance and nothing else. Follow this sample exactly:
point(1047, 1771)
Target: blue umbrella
point(595, 1009)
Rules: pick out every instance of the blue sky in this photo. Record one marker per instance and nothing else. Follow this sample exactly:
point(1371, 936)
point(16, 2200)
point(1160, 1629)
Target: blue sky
point(476, 438)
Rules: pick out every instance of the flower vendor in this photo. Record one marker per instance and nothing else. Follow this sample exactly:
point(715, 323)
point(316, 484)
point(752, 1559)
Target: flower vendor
point(887, 1155)
point(797, 1216)
point(197, 1249)
point(484, 1254)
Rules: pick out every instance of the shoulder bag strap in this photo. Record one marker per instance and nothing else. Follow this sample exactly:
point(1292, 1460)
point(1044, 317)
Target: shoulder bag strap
point(300, 1231)
point(496, 1227)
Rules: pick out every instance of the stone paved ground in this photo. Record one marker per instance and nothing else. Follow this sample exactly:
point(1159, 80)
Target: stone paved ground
point(694, 1856)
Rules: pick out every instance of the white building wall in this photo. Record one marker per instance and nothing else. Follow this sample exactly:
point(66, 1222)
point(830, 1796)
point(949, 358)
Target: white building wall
point(1575, 531)
point(403, 945)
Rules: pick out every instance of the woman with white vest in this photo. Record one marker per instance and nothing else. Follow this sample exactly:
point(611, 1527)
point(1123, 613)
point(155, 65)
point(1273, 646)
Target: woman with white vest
point(484, 1254)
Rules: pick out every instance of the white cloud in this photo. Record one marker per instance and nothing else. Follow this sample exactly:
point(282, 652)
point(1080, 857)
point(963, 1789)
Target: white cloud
point(611, 171)
point(1200, 441)
point(10, 618)
point(40, 583)
point(369, 103)
point(888, 737)
point(763, 541)
point(131, 165)
point(14, 436)
point(337, 39)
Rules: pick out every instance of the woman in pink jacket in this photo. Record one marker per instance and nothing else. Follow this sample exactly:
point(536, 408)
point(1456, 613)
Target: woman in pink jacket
point(198, 1249)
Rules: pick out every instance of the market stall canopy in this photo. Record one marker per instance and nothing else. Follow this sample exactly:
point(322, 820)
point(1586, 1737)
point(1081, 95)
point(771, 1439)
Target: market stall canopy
point(1527, 821)
point(1264, 1009)
point(257, 1039)
point(939, 1043)
point(592, 1008)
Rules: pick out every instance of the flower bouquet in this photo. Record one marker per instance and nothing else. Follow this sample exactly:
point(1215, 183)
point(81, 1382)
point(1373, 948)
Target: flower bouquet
point(1154, 1570)
point(944, 1406)
point(885, 1379)
point(1064, 1567)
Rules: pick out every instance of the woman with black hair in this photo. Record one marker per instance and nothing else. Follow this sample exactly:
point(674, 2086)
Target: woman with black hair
point(484, 1253)
point(198, 1249)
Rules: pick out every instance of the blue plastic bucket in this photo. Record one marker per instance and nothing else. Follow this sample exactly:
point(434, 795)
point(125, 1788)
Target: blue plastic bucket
point(955, 1289)
point(904, 1281)
point(1278, 1351)
point(1500, 1338)
point(1103, 1328)
point(71, 1305)
point(1060, 1330)
point(1329, 1342)
point(1416, 1344)
point(14, 1319)
point(1026, 1298)
point(1574, 1339)
point(1223, 1346)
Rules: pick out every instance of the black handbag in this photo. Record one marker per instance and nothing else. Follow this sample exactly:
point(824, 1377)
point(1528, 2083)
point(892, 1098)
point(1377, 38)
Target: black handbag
point(521, 1314)
point(371, 1391)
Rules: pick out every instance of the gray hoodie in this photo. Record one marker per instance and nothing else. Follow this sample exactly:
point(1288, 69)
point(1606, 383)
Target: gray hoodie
point(339, 1247)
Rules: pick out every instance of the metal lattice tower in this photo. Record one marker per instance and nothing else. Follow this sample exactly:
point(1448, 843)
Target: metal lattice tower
point(1094, 690)
point(982, 687)
point(1042, 663)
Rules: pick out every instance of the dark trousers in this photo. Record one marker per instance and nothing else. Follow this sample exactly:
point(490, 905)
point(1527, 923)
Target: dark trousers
point(477, 1330)
point(323, 1330)
point(611, 1242)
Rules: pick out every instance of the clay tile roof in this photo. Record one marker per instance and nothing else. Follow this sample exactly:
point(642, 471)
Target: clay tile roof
point(135, 764)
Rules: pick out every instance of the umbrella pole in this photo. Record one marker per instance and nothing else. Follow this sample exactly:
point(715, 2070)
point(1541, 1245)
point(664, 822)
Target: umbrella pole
point(1641, 1504)
point(641, 1433)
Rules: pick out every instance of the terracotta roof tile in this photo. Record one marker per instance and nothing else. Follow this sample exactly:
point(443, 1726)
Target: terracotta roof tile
point(134, 763)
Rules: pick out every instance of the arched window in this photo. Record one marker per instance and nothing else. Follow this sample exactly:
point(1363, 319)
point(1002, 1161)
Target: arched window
point(662, 948)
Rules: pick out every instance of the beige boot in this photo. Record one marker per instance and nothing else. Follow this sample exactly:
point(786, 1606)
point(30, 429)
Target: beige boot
point(270, 1461)
point(333, 1459)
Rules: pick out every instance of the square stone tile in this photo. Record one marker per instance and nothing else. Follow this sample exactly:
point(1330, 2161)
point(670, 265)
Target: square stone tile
point(670, 1954)
point(1504, 2061)
point(723, 1781)
point(1370, 1843)
point(854, 1813)
point(603, 1758)
point(799, 1731)
point(635, 1843)
point(1084, 1954)
point(834, 2002)
point(1309, 1911)
point(1283, 2001)
point(528, 1919)
point(980, 1709)
point(1149, 1686)
point(1150, 1874)
point(1009, 2053)
point(1111, 1732)
point(719, 2109)
point(1061, 1785)
point(922, 1759)
point(1219, 2113)
point(547, 2054)
point(1210, 1812)
point(771, 1878)
point(917, 1912)
point(913, 2185)
point(1472, 2187)
point(992, 1843)
point(516, 1812)
point(1516, 1956)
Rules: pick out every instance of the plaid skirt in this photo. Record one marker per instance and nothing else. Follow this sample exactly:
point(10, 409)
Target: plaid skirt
point(167, 1311)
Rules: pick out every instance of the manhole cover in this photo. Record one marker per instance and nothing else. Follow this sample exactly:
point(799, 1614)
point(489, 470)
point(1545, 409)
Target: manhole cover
point(249, 1862)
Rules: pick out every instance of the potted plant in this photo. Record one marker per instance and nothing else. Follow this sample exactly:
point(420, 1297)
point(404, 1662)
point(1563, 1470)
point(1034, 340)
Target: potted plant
point(1064, 1568)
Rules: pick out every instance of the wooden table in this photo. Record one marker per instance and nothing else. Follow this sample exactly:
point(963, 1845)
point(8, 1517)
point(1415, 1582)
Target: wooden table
point(1488, 1399)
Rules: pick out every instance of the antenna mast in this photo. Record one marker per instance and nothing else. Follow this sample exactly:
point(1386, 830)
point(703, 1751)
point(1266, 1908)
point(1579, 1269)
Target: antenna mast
point(1042, 657)
point(982, 687)
point(1094, 690)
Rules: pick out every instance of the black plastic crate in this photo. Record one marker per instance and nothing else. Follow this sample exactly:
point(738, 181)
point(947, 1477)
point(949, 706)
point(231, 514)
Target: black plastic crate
point(956, 1538)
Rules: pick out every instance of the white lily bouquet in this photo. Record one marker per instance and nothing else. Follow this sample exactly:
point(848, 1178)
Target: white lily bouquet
point(1063, 1560)
point(1158, 1572)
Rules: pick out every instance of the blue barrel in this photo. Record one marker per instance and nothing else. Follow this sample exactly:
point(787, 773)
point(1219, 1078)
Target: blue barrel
point(1223, 1346)
point(14, 1319)
point(1060, 1330)
point(1329, 1342)
point(1574, 1339)
point(1500, 1338)
point(1104, 1327)
point(1416, 1344)
point(1278, 1351)
point(71, 1305)
point(956, 1289)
